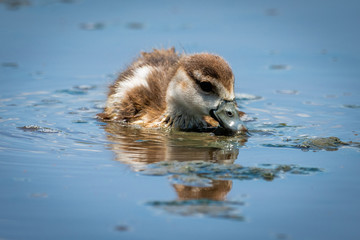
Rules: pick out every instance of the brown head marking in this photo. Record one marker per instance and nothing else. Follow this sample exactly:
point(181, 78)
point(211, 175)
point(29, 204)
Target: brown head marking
point(209, 65)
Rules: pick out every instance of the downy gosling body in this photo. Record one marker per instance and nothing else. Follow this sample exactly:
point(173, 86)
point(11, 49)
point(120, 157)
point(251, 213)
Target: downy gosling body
point(165, 89)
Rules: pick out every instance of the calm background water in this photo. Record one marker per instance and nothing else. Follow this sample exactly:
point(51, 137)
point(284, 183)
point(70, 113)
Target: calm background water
point(63, 174)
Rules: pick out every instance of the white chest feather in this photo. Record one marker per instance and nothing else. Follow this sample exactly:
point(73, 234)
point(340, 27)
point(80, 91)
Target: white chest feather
point(137, 79)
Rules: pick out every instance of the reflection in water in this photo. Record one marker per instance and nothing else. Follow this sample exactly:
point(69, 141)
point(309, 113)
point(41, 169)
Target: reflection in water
point(203, 201)
point(138, 147)
point(217, 191)
point(197, 195)
point(200, 167)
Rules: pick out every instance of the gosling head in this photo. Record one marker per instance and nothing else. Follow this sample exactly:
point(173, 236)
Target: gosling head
point(203, 85)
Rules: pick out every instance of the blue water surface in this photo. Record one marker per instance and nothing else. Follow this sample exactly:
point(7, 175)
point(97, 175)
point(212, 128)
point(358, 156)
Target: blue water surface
point(66, 175)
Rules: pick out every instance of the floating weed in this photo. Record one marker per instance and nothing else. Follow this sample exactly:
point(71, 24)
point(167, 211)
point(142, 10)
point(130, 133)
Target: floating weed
point(72, 91)
point(288, 92)
point(284, 168)
point(268, 176)
point(10, 64)
point(122, 228)
point(80, 121)
point(273, 129)
point(92, 26)
point(78, 89)
point(15, 4)
point(39, 195)
point(35, 128)
point(277, 125)
point(354, 106)
point(199, 173)
point(284, 125)
point(279, 67)
point(278, 145)
point(191, 180)
point(85, 87)
point(314, 144)
point(304, 170)
point(328, 144)
point(272, 12)
point(135, 25)
point(47, 102)
point(262, 132)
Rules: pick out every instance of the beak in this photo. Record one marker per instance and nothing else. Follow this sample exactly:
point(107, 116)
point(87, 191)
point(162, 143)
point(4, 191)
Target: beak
point(228, 117)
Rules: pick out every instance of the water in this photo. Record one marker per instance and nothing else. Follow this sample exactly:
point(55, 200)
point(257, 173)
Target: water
point(64, 174)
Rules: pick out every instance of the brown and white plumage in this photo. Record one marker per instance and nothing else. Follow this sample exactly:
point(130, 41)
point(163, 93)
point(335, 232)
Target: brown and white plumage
point(165, 89)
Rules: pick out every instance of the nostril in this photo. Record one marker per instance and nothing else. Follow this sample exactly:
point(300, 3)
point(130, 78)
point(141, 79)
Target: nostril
point(230, 114)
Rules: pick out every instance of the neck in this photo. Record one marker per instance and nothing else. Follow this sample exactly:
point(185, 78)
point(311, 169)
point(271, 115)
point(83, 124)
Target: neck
point(179, 119)
point(181, 113)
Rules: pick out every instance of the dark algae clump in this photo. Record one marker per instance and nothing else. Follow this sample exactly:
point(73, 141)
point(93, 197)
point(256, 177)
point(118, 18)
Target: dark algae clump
point(328, 144)
point(315, 144)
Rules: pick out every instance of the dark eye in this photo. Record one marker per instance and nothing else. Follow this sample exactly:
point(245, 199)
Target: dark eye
point(230, 114)
point(206, 86)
